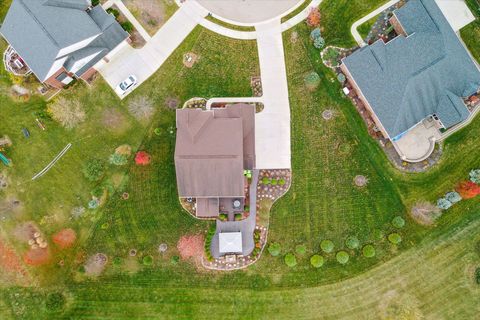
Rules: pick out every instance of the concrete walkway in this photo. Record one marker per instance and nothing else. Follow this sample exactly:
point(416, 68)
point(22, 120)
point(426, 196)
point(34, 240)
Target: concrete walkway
point(144, 62)
point(272, 125)
point(356, 24)
point(246, 226)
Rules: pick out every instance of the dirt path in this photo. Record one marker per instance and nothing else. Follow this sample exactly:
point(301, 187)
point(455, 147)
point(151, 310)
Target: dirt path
point(13, 271)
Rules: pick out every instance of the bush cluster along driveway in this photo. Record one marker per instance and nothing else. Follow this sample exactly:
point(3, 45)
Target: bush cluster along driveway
point(429, 274)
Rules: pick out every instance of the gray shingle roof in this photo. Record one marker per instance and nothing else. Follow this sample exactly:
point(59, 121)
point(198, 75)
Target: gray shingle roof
point(410, 78)
point(49, 34)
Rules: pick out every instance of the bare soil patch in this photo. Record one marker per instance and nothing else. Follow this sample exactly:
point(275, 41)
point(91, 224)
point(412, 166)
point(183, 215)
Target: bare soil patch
point(191, 246)
point(26, 231)
point(189, 59)
point(65, 238)
point(150, 13)
point(96, 264)
point(327, 115)
point(360, 181)
point(37, 257)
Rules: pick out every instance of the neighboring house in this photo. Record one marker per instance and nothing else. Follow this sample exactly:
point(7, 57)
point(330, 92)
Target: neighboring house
point(59, 40)
point(213, 150)
point(415, 82)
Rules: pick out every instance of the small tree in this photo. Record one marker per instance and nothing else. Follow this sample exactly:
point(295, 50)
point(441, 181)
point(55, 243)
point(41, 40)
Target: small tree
point(443, 203)
point(352, 242)
point(468, 189)
point(453, 197)
point(398, 222)
point(290, 260)
point(342, 257)
point(142, 158)
point(425, 212)
point(327, 246)
point(475, 176)
point(301, 249)
point(319, 43)
point(69, 113)
point(93, 170)
point(316, 261)
point(315, 34)
point(275, 249)
point(313, 18)
point(141, 108)
point(341, 78)
point(127, 26)
point(147, 260)
point(368, 251)
point(394, 238)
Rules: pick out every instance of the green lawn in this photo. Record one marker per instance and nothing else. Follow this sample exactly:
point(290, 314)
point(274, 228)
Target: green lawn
point(471, 33)
point(339, 15)
point(364, 28)
point(428, 275)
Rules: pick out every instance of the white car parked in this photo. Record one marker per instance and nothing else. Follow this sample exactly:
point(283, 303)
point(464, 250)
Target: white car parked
point(127, 84)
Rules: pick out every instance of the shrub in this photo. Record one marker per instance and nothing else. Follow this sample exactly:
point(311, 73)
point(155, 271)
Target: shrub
point(342, 257)
point(98, 191)
point(352, 242)
point(313, 18)
point(113, 12)
point(157, 131)
point(274, 182)
point(117, 261)
point(265, 180)
point(95, 2)
point(94, 170)
point(315, 34)
point(174, 259)
point(69, 113)
point(275, 249)
point(246, 209)
point(127, 26)
point(468, 189)
point(118, 159)
point(398, 222)
point(281, 182)
point(147, 260)
point(443, 203)
point(394, 238)
point(453, 197)
point(238, 216)
point(316, 261)
point(142, 158)
point(301, 249)
point(93, 204)
point(477, 275)
point(368, 251)
point(331, 55)
point(327, 246)
point(312, 80)
point(341, 78)
point(425, 213)
point(141, 108)
point(319, 43)
point(290, 260)
point(475, 176)
point(223, 216)
point(55, 301)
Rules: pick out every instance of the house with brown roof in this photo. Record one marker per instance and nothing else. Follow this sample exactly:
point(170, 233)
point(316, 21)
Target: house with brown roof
point(213, 149)
point(58, 40)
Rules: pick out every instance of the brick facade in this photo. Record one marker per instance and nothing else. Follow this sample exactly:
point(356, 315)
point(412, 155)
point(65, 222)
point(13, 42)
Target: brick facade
point(52, 81)
point(397, 26)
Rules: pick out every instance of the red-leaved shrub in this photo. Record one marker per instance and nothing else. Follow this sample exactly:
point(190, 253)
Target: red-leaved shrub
point(313, 19)
point(142, 158)
point(468, 189)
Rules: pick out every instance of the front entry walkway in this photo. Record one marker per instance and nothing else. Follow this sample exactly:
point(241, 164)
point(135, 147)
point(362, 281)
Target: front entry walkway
point(144, 62)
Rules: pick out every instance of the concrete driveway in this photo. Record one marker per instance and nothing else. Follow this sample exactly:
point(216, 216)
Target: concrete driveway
point(144, 62)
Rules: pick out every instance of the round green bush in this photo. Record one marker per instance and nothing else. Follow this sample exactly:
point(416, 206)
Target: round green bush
point(118, 159)
point(147, 260)
point(290, 260)
point(94, 170)
point(342, 257)
point(312, 80)
point(368, 251)
point(281, 182)
point(394, 238)
point(174, 259)
point(327, 246)
point(55, 301)
point(265, 180)
point(398, 222)
point(104, 226)
point(274, 182)
point(275, 249)
point(117, 261)
point(352, 242)
point(157, 131)
point(301, 249)
point(316, 261)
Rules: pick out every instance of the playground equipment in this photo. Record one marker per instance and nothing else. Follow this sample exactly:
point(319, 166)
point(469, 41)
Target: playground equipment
point(26, 133)
point(4, 159)
point(40, 124)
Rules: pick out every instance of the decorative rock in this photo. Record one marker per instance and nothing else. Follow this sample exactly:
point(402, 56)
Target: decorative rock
point(132, 252)
point(36, 234)
point(162, 247)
